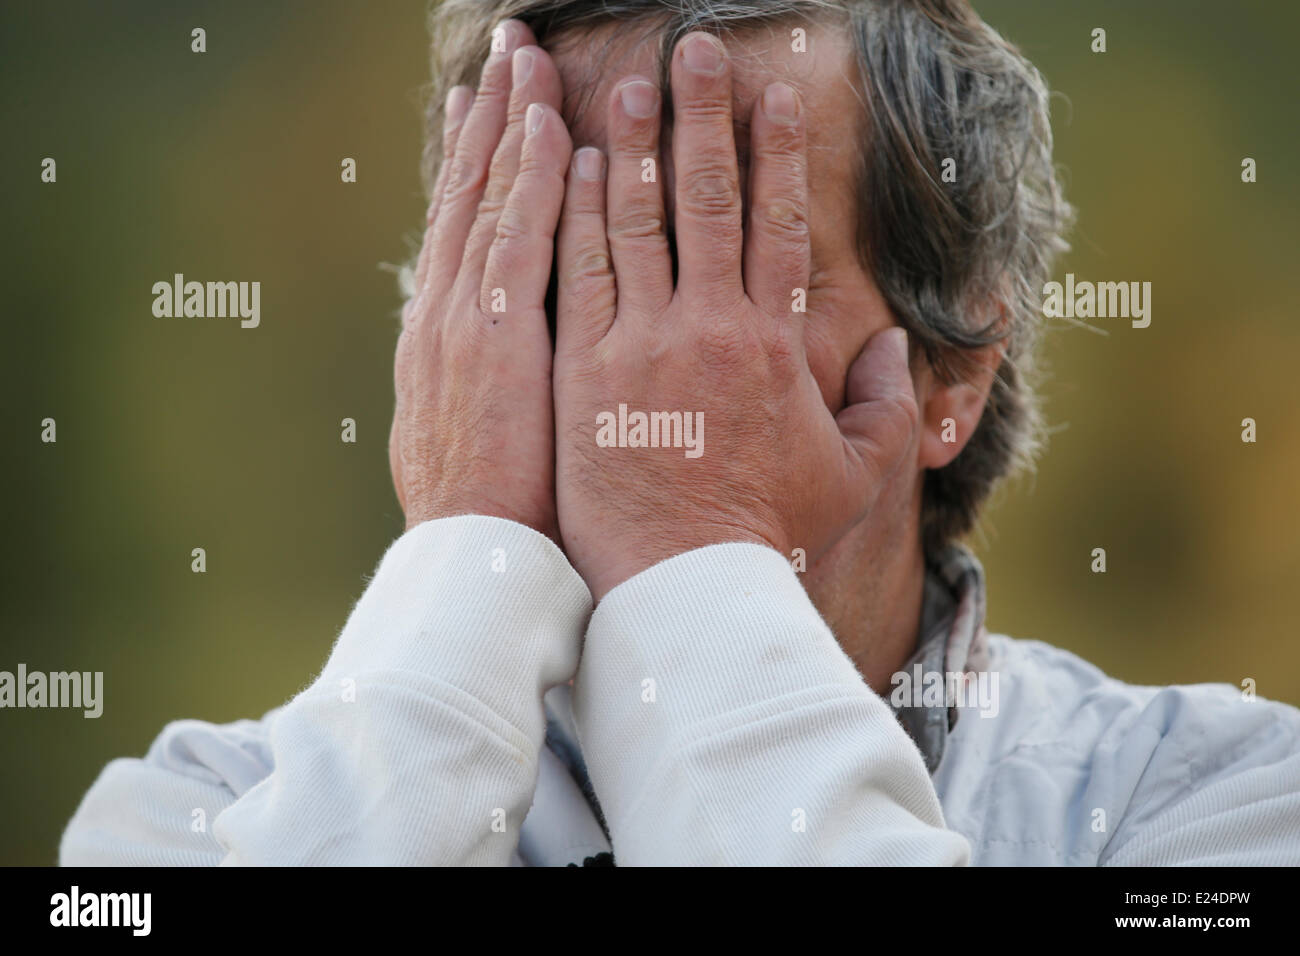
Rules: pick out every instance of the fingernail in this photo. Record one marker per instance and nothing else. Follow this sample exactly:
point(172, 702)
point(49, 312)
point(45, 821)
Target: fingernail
point(589, 163)
point(458, 100)
point(702, 54)
point(521, 67)
point(640, 99)
point(533, 119)
point(780, 104)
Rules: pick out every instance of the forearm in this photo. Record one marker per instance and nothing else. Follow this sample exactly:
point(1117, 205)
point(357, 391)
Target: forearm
point(418, 742)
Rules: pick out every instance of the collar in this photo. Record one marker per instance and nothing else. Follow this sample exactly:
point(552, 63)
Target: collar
point(952, 640)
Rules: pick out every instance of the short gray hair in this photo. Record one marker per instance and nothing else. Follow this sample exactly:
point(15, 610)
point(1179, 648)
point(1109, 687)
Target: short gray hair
point(961, 264)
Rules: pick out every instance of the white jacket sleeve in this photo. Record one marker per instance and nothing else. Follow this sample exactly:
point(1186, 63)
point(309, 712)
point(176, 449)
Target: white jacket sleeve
point(417, 744)
point(722, 724)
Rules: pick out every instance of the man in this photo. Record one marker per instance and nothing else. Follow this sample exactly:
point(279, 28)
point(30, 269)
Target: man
point(789, 363)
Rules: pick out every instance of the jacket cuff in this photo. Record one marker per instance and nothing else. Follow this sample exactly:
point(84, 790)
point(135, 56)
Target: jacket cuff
point(705, 641)
point(485, 605)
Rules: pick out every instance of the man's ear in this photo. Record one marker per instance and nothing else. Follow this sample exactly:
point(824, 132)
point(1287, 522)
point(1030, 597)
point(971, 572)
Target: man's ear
point(951, 410)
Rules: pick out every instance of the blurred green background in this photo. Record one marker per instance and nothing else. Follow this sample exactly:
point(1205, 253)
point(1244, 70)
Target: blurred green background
point(176, 434)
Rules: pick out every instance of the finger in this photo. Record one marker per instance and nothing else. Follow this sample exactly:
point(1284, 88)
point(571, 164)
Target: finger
point(707, 193)
point(519, 261)
point(635, 199)
point(535, 80)
point(587, 297)
point(777, 250)
point(459, 99)
point(881, 415)
point(467, 172)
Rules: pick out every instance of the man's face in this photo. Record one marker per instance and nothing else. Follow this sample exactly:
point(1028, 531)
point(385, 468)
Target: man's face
point(593, 62)
point(875, 569)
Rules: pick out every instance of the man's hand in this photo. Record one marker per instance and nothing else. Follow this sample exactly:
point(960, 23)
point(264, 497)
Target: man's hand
point(473, 430)
point(778, 468)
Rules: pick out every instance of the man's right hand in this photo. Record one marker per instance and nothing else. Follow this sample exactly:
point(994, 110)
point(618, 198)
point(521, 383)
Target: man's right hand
point(473, 430)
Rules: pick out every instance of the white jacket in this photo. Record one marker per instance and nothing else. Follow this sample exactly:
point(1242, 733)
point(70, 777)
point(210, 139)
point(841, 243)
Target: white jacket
point(713, 720)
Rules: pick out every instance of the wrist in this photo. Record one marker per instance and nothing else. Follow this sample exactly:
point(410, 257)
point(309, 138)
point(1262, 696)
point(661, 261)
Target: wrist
point(634, 555)
point(418, 515)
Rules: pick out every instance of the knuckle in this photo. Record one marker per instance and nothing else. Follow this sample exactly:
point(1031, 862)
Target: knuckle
point(710, 190)
point(588, 283)
point(709, 111)
point(531, 175)
point(904, 415)
point(781, 349)
point(495, 191)
point(637, 140)
point(785, 219)
point(539, 174)
point(490, 208)
point(590, 264)
point(910, 412)
point(512, 227)
point(494, 83)
point(639, 223)
point(464, 177)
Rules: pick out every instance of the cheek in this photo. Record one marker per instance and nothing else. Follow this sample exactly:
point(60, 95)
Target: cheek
point(828, 361)
point(836, 337)
point(845, 309)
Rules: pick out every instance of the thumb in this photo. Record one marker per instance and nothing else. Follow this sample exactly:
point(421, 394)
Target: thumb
point(881, 416)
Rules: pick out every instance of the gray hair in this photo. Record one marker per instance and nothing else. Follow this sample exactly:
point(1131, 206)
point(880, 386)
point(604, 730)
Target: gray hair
point(960, 264)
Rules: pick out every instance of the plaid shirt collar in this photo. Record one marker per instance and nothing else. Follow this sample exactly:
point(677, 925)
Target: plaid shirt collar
point(952, 641)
